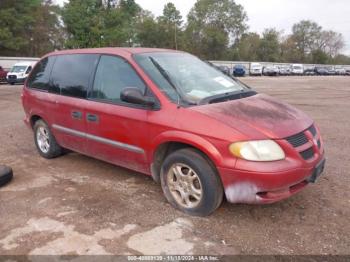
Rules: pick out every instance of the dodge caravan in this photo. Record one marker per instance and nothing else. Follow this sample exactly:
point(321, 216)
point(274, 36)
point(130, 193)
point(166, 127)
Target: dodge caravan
point(199, 133)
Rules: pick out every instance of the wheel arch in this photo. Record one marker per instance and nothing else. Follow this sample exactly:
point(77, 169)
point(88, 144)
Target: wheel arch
point(172, 141)
point(33, 119)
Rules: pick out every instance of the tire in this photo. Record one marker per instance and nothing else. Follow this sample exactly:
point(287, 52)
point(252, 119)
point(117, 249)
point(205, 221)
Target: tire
point(6, 175)
point(194, 174)
point(45, 142)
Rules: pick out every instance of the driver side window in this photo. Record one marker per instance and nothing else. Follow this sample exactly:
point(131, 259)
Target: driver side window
point(28, 70)
point(112, 76)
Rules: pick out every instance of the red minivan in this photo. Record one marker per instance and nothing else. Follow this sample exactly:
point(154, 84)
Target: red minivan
point(167, 114)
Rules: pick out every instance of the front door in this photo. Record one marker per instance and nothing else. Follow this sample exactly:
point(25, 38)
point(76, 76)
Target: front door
point(116, 131)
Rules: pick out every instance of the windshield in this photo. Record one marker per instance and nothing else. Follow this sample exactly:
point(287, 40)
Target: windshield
point(183, 77)
point(18, 69)
point(297, 67)
point(255, 66)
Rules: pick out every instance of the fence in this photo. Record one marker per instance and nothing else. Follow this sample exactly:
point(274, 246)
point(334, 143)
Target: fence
point(8, 62)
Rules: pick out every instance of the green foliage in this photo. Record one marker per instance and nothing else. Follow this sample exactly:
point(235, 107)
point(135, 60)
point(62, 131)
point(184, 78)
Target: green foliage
point(341, 60)
point(212, 25)
point(319, 57)
point(83, 23)
point(269, 48)
point(306, 34)
point(25, 27)
point(170, 26)
point(91, 23)
point(247, 48)
point(215, 29)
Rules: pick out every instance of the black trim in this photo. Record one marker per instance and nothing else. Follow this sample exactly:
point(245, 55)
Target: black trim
point(157, 106)
point(307, 154)
point(148, 90)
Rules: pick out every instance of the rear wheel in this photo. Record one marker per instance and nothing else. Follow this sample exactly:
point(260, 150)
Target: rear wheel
point(45, 141)
point(190, 183)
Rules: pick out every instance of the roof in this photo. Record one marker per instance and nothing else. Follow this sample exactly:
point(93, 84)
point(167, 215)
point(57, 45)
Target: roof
point(25, 63)
point(112, 50)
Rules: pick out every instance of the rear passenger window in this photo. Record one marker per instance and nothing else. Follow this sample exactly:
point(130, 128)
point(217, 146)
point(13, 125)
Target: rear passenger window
point(112, 76)
point(40, 77)
point(71, 74)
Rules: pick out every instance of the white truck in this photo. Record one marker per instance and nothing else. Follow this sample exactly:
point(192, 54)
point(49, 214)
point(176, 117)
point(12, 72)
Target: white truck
point(19, 72)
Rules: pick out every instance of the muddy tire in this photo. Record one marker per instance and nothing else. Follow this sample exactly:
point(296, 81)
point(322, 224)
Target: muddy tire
point(45, 142)
point(190, 183)
point(6, 175)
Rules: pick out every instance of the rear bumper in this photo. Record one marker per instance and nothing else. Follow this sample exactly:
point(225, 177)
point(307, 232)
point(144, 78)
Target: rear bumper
point(248, 187)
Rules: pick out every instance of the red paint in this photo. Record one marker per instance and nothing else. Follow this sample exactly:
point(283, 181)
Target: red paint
point(209, 128)
point(3, 74)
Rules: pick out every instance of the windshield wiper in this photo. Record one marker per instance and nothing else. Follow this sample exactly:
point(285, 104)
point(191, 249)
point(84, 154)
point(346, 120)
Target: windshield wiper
point(227, 96)
point(166, 75)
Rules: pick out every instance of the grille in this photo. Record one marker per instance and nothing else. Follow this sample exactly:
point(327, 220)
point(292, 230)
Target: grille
point(308, 154)
point(301, 139)
point(12, 77)
point(297, 140)
point(313, 131)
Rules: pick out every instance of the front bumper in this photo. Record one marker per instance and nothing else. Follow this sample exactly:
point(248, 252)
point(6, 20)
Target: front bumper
point(15, 80)
point(249, 187)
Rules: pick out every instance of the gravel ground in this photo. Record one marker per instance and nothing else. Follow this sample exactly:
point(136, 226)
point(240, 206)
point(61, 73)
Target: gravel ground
point(78, 205)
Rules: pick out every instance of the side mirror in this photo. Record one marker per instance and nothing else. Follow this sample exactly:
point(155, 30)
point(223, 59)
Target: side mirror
point(133, 95)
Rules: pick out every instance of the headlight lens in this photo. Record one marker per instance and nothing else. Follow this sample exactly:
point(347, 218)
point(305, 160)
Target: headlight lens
point(262, 151)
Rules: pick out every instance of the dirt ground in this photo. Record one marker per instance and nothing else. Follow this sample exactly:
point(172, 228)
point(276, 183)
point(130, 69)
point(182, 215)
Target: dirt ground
point(78, 205)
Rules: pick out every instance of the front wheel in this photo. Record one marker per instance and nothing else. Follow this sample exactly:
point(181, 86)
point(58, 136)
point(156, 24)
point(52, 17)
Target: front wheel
point(190, 183)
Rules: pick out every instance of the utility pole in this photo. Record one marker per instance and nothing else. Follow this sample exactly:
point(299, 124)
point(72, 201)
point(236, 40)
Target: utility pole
point(175, 36)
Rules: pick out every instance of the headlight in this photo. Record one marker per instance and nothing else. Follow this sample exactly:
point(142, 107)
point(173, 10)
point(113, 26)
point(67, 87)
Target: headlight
point(264, 150)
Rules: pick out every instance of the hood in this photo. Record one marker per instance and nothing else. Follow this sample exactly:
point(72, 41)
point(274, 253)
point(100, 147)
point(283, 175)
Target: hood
point(259, 116)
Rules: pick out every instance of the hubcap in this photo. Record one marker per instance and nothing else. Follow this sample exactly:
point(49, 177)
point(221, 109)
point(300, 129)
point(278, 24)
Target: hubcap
point(184, 185)
point(43, 139)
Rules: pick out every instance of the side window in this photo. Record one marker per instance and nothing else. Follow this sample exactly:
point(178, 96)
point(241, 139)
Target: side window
point(71, 74)
point(112, 76)
point(40, 77)
point(29, 69)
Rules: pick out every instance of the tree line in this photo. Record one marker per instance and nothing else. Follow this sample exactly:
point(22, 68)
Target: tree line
point(214, 30)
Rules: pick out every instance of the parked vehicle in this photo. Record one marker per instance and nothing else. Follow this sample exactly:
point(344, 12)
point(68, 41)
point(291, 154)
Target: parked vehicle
point(239, 70)
point(225, 69)
point(347, 72)
point(284, 70)
point(171, 116)
point(331, 71)
point(297, 69)
point(319, 70)
point(19, 72)
point(270, 70)
point(255, 69)
point(340, 71)
point(3, 74)
point(309, 71)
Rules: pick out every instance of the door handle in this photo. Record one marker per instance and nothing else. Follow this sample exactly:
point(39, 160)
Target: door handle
point(92, 118)
point(77, 115)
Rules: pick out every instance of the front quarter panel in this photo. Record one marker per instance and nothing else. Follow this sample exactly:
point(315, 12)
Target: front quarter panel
point(173, 124)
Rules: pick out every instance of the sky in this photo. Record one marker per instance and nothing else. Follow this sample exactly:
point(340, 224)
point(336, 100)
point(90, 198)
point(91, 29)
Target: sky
point(280, 14)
